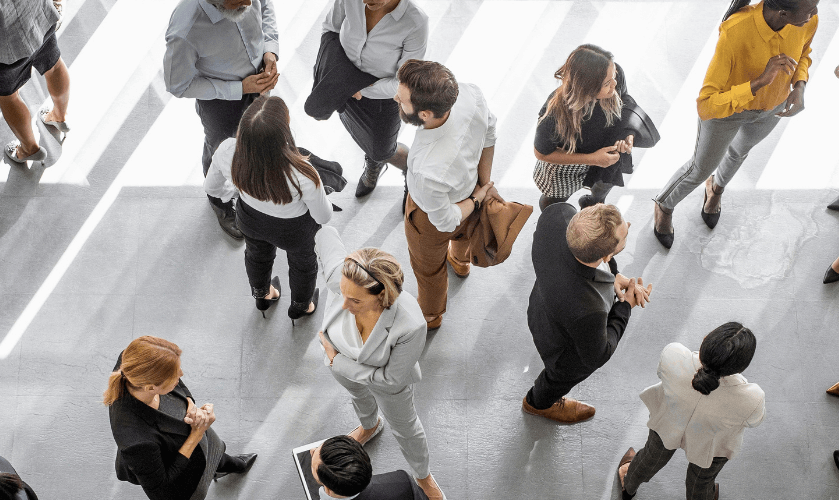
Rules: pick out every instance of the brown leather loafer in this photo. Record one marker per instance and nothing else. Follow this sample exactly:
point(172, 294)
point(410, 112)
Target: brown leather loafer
point(566, 411)
point(627, 457)
point(460, 269)
point(434, 323)
point(834, 391)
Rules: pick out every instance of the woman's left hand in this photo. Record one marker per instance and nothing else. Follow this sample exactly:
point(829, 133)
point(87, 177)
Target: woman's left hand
point(795, 103)
point(625, 146)
point(327, 346)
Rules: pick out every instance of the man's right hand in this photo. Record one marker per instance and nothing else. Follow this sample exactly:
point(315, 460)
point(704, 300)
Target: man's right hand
point(636, 294)
point(259, 83)
point(604, 157)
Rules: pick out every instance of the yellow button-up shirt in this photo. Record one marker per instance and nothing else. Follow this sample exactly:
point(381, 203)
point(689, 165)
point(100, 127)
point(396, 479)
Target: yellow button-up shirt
point(745, 45)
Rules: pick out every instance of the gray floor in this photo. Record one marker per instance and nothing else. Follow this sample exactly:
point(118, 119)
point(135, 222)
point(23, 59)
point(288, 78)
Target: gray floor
point(156, 263)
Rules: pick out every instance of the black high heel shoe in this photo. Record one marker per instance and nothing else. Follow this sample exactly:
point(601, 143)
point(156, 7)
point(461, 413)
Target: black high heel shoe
point(299, 309)
point(263, 304)
point(830, 276)
point(711, 219)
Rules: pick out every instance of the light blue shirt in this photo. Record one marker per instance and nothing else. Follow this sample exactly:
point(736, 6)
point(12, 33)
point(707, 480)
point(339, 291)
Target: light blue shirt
point(208, 56)
point(401, 35)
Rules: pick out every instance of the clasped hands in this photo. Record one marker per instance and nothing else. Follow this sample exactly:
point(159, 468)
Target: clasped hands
point(609, 155)
point(200, 419)
point(262, 82)
point(632, 290)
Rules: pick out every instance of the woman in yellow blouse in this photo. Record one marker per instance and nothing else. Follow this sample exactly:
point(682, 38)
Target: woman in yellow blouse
point(763, 51)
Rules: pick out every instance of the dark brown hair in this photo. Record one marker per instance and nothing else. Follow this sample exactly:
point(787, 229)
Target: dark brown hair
point(769, 4)
point(146, 361)
point(433, 87)
point(581, 79)
point(266, 153)
point(727, 350)
point(592, 232)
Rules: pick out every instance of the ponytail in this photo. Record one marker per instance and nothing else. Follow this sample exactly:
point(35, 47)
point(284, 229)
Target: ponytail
point(734, 7)
point(705, 381)
point(116, 387)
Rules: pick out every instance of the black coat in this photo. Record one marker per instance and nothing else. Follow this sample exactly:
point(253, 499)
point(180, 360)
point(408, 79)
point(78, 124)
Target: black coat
point(147, 447)
point(396, 485)
point(572, 327)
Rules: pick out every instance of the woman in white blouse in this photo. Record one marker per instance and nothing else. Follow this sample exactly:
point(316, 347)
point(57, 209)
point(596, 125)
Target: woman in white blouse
point(702, 405)
point(373, 335)
point(281, 204)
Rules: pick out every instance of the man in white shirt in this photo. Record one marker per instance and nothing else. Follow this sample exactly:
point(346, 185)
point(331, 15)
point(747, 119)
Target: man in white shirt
point(223, 53)
point(448, 176)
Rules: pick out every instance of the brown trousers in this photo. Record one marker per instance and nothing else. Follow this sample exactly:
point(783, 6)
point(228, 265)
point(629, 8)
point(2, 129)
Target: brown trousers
point(427, 248)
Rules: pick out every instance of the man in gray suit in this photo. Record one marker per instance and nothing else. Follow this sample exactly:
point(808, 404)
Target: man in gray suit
point(342, 468)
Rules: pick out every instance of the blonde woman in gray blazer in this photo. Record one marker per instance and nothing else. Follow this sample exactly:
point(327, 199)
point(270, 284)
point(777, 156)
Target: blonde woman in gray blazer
point(702, 405)
point(373, 335)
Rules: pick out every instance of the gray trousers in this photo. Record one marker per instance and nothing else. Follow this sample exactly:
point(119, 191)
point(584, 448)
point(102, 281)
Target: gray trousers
point(397, 405)
point(722, 144)
point(699, 482)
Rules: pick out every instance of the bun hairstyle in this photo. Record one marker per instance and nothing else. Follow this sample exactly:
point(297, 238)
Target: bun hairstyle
point(727, 350)
point(146, 361)
point(769, 4)
point(377, 271)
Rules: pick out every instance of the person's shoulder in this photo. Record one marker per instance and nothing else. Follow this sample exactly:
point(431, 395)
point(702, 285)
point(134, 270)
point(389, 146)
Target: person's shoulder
point(388, 486)
point(183, 17)
point(740, 21)
point(676, 350)
point(557, 215)
point(414, 12)
point(408, 312)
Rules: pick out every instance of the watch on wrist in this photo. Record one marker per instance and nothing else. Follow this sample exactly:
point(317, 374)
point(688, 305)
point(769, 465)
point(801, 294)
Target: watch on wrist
point(477, 203)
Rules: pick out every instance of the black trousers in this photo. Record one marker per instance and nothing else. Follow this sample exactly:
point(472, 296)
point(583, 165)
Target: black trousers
point(553, 384)
point(263, 235)
point(699, 482)
point(220, 119)
point(373, 125)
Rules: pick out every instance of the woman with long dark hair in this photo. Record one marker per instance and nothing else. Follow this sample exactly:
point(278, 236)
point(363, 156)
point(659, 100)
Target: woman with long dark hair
point(164, 441)
point(763, 51)
point(702, 405)
point(579, 138)
point(281, 204)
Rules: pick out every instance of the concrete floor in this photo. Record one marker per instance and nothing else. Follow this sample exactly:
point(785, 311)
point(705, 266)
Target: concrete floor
point(115, 240)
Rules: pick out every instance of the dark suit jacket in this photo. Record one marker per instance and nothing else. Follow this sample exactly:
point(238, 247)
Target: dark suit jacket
point(147, 447)
point(396, 485)
point(574, 330)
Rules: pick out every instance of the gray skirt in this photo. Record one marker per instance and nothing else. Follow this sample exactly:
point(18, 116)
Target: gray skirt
point(559, 181)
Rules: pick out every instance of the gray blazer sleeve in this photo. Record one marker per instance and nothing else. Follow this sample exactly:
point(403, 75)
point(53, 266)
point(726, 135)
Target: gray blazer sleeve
point(397, 372)
point(331, 254)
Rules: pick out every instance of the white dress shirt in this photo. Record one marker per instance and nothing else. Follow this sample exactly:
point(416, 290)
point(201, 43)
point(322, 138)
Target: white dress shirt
point(208, 56)
point(401, 35)
point(23, 25)
point(219, 185)
point(443, 162)
point(704, 426)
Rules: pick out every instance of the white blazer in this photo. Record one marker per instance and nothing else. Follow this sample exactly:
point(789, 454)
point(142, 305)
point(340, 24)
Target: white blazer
point(390, 357)
point(704, 426)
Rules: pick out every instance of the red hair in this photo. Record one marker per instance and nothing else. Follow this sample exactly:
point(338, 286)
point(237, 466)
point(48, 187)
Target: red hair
point(146, 361)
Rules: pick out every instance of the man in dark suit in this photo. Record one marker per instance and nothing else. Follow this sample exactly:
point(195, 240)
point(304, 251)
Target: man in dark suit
point(342, 468)
point(580, 304)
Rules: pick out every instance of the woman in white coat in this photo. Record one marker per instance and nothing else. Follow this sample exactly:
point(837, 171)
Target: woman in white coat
point(373, 335)
point(702, 405)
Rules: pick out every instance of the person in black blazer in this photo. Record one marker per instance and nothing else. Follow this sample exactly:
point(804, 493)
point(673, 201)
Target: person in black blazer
point(343, 469)
point(12, 487)
point(164, 441)
point(580, 304)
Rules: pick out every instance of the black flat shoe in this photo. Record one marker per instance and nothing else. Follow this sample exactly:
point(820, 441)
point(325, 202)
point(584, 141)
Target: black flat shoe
point(263, 304)
point(296, 311)
point(248, 458)
point(834, 205)
point(836, 458)
point(830, 276)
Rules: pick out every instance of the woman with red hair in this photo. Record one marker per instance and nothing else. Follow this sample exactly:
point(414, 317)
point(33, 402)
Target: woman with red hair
point(164, 441)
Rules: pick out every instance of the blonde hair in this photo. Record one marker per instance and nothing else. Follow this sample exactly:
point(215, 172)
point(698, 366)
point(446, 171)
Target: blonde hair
point(581, 79)
point(146, 361)
point(592, 232)
point(376, 271)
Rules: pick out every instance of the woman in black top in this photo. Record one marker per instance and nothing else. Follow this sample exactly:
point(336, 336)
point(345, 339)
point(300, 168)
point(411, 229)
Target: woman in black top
point(164, 442)
point(579, 138)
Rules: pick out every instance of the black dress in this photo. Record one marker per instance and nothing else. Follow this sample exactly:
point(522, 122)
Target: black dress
point(595, 134)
